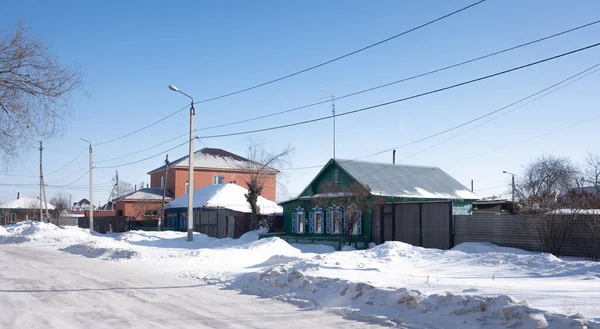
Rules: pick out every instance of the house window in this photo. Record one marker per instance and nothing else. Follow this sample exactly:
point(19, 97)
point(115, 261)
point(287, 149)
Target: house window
point(298, 221)
point(162, 181)
point(357, 225)
point(218, 180)
point(316, 221)
point(12, 218)
point(333, 221)
point(336, 176)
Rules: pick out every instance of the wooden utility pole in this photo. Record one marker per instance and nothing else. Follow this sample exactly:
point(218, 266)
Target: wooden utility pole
point(162, 213)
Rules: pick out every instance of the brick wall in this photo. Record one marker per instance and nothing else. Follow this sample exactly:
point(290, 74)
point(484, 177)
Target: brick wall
point(203, 177)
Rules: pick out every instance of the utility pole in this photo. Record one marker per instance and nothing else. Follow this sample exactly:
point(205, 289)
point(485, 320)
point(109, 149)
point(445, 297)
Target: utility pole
point(117, 178)
point(162, 213)
point(41, 184)
point(91, 190)
point(513, 190)
point(513, 185)
point(333, 115)
point(190, 213)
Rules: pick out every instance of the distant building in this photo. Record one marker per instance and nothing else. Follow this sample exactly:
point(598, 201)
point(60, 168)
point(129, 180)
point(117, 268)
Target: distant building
point(493, 207)
point(22, 209)
point(81, 205)
point(211, 166)
point(143, 204)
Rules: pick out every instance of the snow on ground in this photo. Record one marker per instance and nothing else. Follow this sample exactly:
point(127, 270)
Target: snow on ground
point(472, 286)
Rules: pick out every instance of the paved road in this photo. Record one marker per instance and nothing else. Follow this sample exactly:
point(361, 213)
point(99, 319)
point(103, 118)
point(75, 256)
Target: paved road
point(41, 288)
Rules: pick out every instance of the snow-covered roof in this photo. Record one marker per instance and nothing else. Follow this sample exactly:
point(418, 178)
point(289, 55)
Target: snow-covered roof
point(25, 203)
point(210, 158)
point(398, 180)
point(146, 194)
point(228, 196)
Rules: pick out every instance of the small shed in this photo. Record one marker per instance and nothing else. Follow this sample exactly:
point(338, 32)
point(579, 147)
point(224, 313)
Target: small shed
point(220, 210)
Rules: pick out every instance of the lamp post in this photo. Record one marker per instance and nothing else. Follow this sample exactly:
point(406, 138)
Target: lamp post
point(513, 184)
point(190, 213)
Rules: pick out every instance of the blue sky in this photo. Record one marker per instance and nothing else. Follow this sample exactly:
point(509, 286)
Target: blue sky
point(130, 51)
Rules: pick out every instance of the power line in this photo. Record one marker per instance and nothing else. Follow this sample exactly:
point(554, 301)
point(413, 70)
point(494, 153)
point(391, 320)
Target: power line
point(75, 181)
point(405, 98)
point(578, 75)
point(143, 128)
point(301, 71)
point(507, 112)
point(343, 56)
point(373, 106)
point(404, 79)
point(365, 90)
point(144, 159)
point(68, 163)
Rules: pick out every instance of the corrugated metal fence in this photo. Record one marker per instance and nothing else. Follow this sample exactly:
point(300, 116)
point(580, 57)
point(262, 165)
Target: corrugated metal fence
point(511, 231)
point(425, 224)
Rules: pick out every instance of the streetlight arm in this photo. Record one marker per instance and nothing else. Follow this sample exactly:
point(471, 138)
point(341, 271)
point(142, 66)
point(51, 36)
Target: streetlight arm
point(188, 96)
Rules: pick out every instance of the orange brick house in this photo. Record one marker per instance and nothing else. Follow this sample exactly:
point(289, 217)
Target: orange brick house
point(143, 204)
point(211, 166)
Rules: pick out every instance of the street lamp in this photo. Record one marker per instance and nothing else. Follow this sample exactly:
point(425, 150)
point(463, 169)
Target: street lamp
point(190, 230)
point(513, 184)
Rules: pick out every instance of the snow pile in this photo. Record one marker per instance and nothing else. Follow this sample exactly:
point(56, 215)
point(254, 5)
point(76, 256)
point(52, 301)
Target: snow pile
point(474, 285)
point(32, 232)
point(396, 307)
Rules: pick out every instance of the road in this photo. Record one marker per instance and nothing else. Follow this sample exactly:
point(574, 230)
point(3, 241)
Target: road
point(41, 288)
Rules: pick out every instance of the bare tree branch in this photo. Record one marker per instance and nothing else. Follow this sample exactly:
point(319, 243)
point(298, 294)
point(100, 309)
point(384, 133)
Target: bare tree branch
point(34, 92)
point(262, 166)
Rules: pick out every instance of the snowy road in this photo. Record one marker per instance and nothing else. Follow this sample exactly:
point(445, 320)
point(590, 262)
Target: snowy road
point(42, 288)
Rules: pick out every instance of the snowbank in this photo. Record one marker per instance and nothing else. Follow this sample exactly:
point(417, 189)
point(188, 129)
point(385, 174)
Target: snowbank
point(474, 285)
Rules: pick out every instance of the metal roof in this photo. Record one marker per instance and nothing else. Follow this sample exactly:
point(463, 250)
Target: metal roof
point(398, 180)
point(146, 194)
point(211, 158)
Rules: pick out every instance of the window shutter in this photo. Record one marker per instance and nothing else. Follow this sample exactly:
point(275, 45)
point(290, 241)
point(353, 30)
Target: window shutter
point(328, 222)
point(294, 222)
point(311, 222)
point(322, 222)
point(359, 226)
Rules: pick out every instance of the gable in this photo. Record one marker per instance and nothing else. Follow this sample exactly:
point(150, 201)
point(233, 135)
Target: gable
point(327, 175)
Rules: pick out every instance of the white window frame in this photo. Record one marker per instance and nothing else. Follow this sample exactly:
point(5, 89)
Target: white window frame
point(298, 219)
point(12, 218)
point(218, 179)
point(318, 223)
point(336, 224)
point(162, 181)
point(357, 227)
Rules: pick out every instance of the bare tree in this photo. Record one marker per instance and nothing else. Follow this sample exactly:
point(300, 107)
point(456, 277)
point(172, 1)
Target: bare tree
point(61, 203)
point(262, 166)
point(546, 180)
point(124, 188)
point(34, 92)
point(592, 171)
point(548, 202)
point(353, 199)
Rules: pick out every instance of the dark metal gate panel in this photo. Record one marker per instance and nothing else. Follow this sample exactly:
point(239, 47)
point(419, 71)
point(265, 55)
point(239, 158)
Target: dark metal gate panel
point(376, 236)
point(436, 225)
point(407, 223)
point(388, 222)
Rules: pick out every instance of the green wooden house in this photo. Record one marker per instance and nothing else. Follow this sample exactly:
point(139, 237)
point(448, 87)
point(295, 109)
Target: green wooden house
point(304, 222)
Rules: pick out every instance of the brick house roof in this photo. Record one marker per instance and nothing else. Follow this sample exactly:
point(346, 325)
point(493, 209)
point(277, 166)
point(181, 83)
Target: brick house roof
point(213, 158)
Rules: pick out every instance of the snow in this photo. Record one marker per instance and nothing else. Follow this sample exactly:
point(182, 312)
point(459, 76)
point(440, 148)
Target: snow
point(229, 196)
point(26, 203)
point(475, 285)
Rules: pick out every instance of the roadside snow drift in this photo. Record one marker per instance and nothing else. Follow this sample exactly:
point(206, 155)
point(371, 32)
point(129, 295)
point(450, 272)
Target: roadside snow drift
point(475, 285)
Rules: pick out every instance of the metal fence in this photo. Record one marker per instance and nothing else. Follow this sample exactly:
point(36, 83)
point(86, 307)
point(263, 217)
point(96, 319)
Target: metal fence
point(107, 224)
point(425, 224)
point(512, 231)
